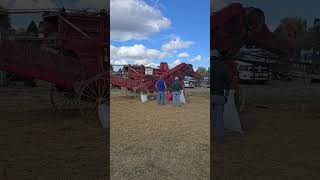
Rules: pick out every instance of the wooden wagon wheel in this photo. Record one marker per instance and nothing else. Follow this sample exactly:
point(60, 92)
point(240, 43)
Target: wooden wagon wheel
point(93, 92)
point(62, 100)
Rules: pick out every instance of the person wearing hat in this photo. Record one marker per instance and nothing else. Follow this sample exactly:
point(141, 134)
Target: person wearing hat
point(176, 88)
point(220, 81)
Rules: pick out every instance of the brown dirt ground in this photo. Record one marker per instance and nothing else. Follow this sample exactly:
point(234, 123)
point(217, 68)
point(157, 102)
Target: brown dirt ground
point(149, 141)
point(36, 142)
point(280, 141)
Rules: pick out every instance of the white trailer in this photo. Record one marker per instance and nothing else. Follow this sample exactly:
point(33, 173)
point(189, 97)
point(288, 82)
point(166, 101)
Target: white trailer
point(251, 73)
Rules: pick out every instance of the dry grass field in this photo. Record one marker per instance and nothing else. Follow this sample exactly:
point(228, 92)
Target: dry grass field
point(149, 141)
point(37, 143)
point(281, 139)
point(281, 123)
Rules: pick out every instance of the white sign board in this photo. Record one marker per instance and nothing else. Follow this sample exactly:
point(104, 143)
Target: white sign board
point(148, 71)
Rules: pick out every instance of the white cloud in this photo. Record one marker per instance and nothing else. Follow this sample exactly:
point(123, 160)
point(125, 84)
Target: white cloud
point(175, 63)
point(183, 55)
point(165, 55)
point(27, 4)
point(119, 62)
point(134, 19)
point(136, 54)
point(175, 44)
point(153, 65)
point(142, 61)
point(197, 58)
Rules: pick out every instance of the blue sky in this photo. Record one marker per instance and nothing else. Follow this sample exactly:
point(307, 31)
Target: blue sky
point(275, 10)
point(170, 31)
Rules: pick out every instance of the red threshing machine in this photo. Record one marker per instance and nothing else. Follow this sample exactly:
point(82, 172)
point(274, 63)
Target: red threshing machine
point(235, 26)
point(71, 55)
point(140, 79)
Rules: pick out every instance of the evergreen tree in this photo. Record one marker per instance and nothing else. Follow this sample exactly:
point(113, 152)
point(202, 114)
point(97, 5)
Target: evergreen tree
point(32, 29)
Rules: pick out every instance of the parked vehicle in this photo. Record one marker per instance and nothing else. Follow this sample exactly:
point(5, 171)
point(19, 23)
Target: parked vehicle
point(250, 73)
point(189, 84)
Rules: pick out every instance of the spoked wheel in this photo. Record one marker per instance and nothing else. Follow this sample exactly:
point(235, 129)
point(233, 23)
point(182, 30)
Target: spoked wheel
point(93, 93)
point(63, 100)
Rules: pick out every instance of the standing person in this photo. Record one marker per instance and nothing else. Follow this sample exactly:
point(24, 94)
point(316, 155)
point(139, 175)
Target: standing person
point(176, 88)
point(219, 93)
point(161, 88)
point(234, 76)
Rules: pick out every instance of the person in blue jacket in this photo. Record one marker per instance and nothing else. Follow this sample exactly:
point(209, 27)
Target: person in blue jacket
point(161, 88)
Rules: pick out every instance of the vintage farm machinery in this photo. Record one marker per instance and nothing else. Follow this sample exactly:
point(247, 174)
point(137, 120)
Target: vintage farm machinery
point(141, 79)
point(71, 54)
point(236, 26)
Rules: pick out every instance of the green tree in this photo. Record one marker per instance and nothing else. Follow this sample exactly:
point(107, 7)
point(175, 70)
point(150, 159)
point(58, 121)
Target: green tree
point(295, 30)
point(201, 71)
point(32, 29)
point(208, 72)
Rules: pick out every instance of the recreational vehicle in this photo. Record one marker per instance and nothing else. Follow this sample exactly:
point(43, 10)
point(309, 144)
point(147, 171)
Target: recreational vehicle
point(253, 73)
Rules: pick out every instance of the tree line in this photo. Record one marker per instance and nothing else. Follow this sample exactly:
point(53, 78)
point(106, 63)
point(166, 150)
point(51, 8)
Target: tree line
point(296, 30)
point(202, 71)
point(6, 27)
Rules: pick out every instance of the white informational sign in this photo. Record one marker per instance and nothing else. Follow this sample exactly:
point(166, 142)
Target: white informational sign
point(103, 111)
point(231, 116)
point(148, 71)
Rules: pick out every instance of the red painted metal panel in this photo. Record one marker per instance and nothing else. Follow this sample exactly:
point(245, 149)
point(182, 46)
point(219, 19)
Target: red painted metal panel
point(67, 32)
point(89, 51)
point(27, 60)
point(137, 80)
point(229, 30)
